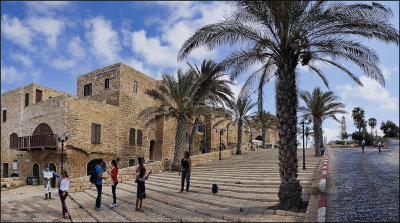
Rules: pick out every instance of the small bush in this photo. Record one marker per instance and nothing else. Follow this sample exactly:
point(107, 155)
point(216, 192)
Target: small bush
point(358, 136)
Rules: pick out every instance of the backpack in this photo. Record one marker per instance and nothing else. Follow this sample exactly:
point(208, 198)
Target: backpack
point(214, 188)
point(93, 176)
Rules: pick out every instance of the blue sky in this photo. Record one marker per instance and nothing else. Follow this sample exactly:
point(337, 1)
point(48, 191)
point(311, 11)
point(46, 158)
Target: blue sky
point(51, 43)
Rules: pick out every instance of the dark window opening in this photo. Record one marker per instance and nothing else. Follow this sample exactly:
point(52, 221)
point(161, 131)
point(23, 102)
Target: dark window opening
point(139, 137)
point(26, 99)
point(4, 115)
point(107, 83)
point(14, 140)
point(38, 95)
point(132, 137)
point(135, 86)
point(87, 89)
point(131, 162)
point(96, 129)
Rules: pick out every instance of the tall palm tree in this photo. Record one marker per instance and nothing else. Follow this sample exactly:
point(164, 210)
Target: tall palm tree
point(320, 106)
point(211, 89)
point(285, 33)
point(175, 96)
point(239, 114)
point(372, 123)
point(358, 118)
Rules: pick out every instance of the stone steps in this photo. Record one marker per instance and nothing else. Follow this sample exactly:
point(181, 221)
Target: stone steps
point(88, 203)
point(127, 193)
point(125, 209)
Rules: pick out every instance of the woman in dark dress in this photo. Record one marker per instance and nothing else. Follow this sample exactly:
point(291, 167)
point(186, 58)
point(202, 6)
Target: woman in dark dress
point(185, 168)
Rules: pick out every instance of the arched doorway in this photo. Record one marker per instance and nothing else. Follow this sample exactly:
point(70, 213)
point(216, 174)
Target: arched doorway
point(53, 168)
point(43, 135)
point(258, 138)
point(151, 152)
point(42, 128)
point(90, 166)
point(36, 170)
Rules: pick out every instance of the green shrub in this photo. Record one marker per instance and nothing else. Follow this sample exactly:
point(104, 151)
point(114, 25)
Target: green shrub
point(358, 136)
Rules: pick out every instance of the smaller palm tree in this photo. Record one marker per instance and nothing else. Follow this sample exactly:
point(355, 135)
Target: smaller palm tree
point(175, 97)
point(320, 106)
point(240, 115)
point(372, 123)
point(358, 118)
point(267, 121)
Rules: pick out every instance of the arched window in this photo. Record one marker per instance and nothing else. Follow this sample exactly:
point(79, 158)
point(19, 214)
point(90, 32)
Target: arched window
point(14, 140)
point(139, 137)
point(35, 170)
point(132, 137)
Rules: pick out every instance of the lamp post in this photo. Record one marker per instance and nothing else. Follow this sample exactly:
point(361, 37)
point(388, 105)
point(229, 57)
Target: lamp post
point(62, 140)
point(221, 131)
point(304, 122)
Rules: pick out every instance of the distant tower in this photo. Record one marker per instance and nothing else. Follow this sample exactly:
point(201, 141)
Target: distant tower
point(343, 126)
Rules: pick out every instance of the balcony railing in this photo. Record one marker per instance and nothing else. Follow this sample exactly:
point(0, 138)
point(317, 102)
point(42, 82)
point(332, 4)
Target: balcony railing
point(37, 141)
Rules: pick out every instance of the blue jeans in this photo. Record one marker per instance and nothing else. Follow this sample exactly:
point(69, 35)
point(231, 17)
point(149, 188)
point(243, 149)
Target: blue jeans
point(99, 187)
point(185, 174)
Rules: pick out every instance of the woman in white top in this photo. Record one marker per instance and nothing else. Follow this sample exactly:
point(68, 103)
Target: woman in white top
point(63, 191)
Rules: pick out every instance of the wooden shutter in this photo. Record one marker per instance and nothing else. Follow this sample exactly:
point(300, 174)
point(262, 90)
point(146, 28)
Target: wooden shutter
point(93, 133)
point(98, 131)
point(139, 137)
point(132, 137)
point(38, 95)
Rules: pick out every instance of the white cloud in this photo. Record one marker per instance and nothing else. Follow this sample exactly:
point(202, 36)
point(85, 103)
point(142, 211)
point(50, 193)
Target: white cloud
point(46, 7)
point(103, 39)
point(49, 27)
point(11, 75)
point(371, 91)
point(16, 32)
point(63, 63)
point(331, 134)
point(75, 47)
point(24, 59)
point(152, 50)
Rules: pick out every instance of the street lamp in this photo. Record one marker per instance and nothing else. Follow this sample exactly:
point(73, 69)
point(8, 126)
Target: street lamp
point(221, 131)
point(304, 122)
point(62, 140)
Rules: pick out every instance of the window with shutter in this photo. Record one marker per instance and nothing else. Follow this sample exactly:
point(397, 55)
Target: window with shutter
point(26, 99)
point(132, 137)
point(38, 95)
point(14, 140)
point(139, 137)
point(96, 129)
point(87, 89)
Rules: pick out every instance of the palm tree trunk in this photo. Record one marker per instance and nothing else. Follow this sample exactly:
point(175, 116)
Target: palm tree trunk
point(178, 150)
point(191, 137)
point(290, 189)
point(239, 142)
point(317, 137)
point(264, 136)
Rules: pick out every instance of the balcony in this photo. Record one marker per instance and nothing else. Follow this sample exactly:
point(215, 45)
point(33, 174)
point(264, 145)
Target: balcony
point(39, 141)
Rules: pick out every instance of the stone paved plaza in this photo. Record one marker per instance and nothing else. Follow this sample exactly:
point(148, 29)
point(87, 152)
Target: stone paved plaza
point(248, 185)
point(363, 187)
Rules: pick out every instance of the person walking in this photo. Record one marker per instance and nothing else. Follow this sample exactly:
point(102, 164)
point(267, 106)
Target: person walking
point(48, 175)
point(99, 183)
point(186, 169)
point(362, 145)
point(114, 182)
point(379, 145)
point(141, 188)
point(63, 192)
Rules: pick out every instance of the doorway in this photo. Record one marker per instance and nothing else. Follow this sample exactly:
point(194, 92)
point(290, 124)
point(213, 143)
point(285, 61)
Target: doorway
point(5, 170)
point(35, 170)
point(151, 152)
point(53, 168)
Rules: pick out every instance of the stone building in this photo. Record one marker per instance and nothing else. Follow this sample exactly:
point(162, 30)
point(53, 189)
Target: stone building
point(102, 122)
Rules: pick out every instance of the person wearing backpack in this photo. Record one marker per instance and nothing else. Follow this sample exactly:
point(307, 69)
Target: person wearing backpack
point(141, 188)
point(99, 183)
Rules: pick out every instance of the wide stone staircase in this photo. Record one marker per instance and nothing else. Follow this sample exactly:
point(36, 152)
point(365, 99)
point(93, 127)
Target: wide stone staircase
point(248, 187)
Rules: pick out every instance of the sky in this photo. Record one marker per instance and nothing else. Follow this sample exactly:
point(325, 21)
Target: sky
point(52, 42)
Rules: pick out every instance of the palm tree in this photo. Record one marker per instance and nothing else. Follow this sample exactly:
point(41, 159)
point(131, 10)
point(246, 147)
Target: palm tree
point(175, 97)
point(372, 123)
point(320, 106)
point(307, 133)
point(284, 33)
point(239, 114)
point(267, 121)
point(211, 89)
point(358, 118)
